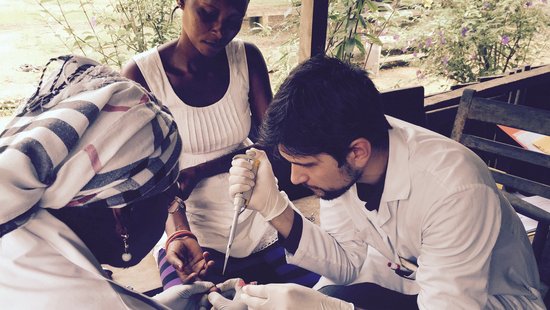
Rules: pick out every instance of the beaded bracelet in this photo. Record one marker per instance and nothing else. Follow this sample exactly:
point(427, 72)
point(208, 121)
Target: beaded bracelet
point(179, 234)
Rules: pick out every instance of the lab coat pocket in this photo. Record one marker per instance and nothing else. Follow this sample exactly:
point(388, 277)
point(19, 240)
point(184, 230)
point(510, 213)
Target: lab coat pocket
point(407, 268)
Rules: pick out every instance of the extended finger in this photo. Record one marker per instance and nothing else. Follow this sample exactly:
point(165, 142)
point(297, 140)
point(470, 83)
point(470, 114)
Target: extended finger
point(230, 284)
point(238, 188)
point(217, 300)
point(200, 287)
point(206, 268)
point(256, 153)
point(187, 278)
point(259, 291)
point(173, 259)
point(241, 162)
point(240, 180)
point(242, 172)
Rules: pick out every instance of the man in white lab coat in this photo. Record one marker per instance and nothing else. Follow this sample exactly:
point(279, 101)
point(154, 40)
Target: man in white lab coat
point(442, 232)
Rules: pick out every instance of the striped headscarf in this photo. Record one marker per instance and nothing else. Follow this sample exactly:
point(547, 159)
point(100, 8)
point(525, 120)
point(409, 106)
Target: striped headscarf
point(87, 137)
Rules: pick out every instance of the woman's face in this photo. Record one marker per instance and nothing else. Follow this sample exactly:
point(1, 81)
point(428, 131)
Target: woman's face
point(211, 24)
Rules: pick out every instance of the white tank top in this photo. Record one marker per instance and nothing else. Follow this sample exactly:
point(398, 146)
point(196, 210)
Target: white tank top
point(209, 132)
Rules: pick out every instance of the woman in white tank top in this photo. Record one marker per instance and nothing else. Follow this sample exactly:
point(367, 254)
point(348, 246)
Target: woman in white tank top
point(217, 89)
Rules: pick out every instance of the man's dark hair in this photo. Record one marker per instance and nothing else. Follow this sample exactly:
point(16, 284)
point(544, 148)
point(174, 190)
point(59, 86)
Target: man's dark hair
point(321, 107)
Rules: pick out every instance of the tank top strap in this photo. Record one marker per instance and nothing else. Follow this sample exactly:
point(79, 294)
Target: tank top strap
point(150, 65)
point(236, 56)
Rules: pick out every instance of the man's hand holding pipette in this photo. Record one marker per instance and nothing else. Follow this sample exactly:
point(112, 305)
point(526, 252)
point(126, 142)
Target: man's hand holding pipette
point(266, 198)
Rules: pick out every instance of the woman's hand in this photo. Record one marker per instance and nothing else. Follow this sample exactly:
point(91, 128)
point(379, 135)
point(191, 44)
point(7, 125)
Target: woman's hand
point(187, 181)
point(187, 257)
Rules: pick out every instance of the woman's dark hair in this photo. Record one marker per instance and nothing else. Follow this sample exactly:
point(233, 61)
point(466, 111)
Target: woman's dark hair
point(321, 107)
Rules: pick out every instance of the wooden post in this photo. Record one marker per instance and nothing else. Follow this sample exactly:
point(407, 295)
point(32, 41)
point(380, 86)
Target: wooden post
point(313, 28)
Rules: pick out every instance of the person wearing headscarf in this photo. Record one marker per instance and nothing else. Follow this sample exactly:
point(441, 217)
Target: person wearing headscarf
point(87, 167)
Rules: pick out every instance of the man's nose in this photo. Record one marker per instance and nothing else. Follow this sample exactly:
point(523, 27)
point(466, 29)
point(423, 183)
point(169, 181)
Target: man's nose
point(297, 175)
point(217, 29)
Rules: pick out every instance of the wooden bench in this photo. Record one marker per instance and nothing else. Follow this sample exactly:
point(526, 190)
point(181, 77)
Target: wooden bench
point(474, 109)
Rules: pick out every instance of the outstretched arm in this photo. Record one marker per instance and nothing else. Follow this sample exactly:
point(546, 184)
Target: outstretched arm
point(185, 253)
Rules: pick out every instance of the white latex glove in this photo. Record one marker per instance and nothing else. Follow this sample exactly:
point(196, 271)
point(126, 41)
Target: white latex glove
point(230, 289)
point(266, 197)
point(289, 296)
point(184, 296)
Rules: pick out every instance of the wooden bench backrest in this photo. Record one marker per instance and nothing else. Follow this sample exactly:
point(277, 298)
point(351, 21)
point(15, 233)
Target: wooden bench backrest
point(473, 108)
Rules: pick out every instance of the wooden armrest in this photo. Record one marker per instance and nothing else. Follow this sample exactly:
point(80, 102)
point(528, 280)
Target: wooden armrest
point(528, 209)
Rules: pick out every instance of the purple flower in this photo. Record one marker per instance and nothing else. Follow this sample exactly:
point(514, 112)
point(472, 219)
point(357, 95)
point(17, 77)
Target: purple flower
point(486, 5)
point(505, 40)
point(544, 1)
point(528, 3)
point(428, 42)
point(415, 54)
point(395, 37)
point(445, 61)
point(94, 21)
point(464, 31)
point(442, 39)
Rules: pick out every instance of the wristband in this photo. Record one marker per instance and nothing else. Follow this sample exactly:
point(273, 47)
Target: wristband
point(178, 234)
point(176, 205)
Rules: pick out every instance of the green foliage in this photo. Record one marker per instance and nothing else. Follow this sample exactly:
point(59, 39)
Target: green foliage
point(470, 39)
point(355, 24)
point(281, 58)
point(351, 23)
point(114, 31)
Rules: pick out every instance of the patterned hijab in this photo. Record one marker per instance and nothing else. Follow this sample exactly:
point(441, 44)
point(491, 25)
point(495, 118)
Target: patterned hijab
point(87, 137)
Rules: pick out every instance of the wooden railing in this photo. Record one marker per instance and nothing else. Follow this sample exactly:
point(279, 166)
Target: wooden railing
point(533, 85)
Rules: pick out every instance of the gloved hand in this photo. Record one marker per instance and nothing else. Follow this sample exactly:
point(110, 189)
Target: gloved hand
point(289, 296)
point(229, 299)
point(185, 296)
point(266, 197)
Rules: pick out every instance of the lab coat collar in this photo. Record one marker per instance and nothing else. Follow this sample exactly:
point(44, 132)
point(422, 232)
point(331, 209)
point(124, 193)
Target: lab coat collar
point(397, 184)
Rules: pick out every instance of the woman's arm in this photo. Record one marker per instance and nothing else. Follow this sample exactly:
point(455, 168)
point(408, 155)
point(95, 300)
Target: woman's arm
point(131, 71)
point(260, 94)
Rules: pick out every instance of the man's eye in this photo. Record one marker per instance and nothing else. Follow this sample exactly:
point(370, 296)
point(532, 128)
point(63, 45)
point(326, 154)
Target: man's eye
point(233, 23)
point(207, 16)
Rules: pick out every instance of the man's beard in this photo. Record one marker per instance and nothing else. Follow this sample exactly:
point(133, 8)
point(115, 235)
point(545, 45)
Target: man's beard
point(330, 194)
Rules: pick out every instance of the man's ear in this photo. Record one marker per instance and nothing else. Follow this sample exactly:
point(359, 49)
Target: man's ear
point(360, 152)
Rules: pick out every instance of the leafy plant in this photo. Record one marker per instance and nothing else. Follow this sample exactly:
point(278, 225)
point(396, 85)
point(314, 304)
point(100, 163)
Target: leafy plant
point(478, 38)
point(353, 23)
point(115, 31)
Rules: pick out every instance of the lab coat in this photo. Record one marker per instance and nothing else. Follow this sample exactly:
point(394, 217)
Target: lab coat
point(44, 265)
point(440, 208)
